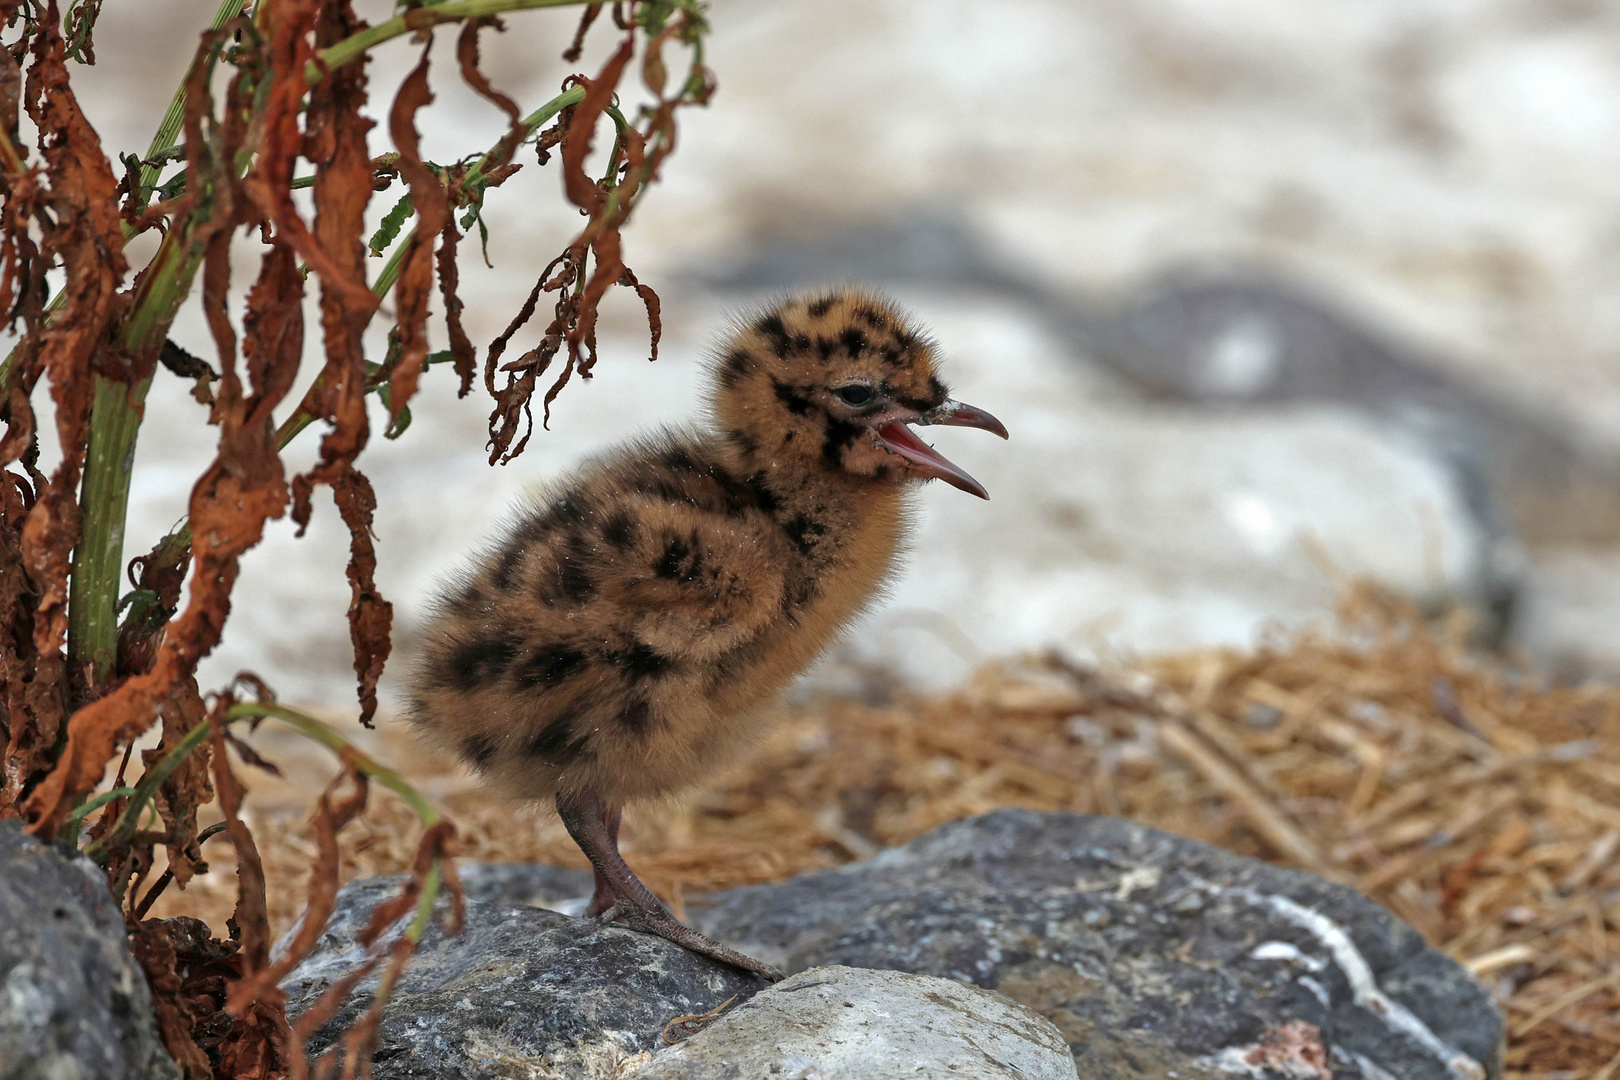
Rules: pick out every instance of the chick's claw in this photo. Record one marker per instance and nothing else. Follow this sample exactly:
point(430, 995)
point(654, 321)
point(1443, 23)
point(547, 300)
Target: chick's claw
point(660, 923)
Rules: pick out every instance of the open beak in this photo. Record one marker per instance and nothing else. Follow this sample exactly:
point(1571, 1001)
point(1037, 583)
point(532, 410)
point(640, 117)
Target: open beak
point(924, 460)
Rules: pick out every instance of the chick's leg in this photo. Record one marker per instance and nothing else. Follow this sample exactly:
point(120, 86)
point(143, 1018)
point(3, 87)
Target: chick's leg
point(604, 897)
point(595, 829)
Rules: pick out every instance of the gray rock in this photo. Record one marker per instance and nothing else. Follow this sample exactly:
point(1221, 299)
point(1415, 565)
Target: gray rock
point(521, 992)
point(1250, 339)
point(534, 884)
point(1150, 952)
point(73, 1003)
point(842, 1023)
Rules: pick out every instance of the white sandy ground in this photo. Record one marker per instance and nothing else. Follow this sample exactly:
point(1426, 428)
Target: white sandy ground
point(1443, 167)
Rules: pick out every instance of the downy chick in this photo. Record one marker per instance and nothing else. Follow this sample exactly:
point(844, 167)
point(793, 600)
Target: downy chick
point(628, 634)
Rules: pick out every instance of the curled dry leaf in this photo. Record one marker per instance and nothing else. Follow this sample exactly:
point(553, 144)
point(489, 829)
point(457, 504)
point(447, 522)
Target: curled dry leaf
point(188, 787)
point(344, 176)
point(594, 262)
point(370, 616)
point(462, 354)
point(467, 57)
point(333, 811)
point(415, 285)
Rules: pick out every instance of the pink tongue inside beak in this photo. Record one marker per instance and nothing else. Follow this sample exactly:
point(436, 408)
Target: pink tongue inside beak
point(924, 460)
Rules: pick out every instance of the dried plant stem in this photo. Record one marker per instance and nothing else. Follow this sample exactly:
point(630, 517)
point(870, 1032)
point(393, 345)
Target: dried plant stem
point(1254, 806)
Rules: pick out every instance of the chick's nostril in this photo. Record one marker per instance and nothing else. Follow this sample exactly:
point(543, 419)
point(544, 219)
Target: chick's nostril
point(960, 414)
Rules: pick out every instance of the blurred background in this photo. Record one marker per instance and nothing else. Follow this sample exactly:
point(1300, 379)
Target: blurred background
point(1273, 296)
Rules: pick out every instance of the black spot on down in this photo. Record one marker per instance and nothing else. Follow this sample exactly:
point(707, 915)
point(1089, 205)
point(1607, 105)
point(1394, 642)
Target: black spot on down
point(803, 531)
point(640, 661)
point(743, 441)
point(476, 661)
point(570, 584)
point(677, 457)
point(796, 403)
point(637, 716)
point(468, 602)
point(771, 326)
point(736, 367)
point(557, 742)
point(619, 530)
point(479, 749)
point(678, 561)
point(767, 499)
point(840, 435)
point(506, 567)
point(548, 665)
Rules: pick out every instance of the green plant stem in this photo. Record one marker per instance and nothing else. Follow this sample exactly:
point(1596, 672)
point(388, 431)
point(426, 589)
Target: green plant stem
point(168, 131)
point(144, 791)
point(328, 737)
point(99, 555)
point(94, 803)
point(304, 723)
point(115, 422)
point(390, 270)
point(451, 10)
point(424, 904)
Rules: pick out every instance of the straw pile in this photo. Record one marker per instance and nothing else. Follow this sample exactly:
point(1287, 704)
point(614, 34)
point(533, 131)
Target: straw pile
point(1483, 809)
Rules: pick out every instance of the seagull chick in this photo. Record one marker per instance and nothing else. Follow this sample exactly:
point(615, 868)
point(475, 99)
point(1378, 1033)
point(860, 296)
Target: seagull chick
point(629, 633)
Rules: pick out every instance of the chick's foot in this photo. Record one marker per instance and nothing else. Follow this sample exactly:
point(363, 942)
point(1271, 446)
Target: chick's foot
point(659, 922)
point(595, 828)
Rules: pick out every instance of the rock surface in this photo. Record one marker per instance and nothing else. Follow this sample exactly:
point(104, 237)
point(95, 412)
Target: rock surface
point(1154, 955)
point(843, 1023)
point(73, 1003)
point(531, 884)
point(522, 992)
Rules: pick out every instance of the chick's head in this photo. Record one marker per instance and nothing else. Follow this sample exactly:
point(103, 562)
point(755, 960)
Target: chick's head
point(832, 381)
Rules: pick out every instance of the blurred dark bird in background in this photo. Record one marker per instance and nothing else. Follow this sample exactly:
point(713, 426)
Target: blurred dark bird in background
point(626, 637)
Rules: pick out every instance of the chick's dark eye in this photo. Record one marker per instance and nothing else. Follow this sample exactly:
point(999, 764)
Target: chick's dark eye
point(855, 394)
